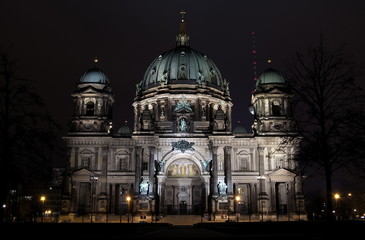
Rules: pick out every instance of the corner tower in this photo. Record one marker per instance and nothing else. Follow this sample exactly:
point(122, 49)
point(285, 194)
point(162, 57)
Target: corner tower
point(93, 100)
point(271, 104)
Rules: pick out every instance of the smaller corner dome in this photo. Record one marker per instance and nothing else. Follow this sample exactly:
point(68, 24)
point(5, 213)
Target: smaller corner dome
point(94, 75)
point(270, 76)
point(239, 130)
point(125, 131)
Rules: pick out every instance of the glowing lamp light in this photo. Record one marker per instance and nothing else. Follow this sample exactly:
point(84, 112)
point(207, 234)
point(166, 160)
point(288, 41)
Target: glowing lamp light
point(337, 196)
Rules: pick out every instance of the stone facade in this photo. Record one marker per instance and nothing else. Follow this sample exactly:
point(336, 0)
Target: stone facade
point(182, 156)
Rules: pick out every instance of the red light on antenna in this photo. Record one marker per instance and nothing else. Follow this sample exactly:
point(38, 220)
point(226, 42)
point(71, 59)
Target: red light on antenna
point(253, 33)
point(255, 78)
point(254, 51)
point(254, 62)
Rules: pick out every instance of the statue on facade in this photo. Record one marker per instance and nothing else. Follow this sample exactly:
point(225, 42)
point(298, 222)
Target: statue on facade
point(146, 119)
point(204, 165)
point(219, 119)
point(222, 188)
point(183, 125)
point(164, 77)
point(201, 78)
point(143, 188)
point(183, 104)
point(159, 165)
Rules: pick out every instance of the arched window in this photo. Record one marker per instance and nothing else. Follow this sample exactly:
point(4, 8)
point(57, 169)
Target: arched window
point(279, 161)
point(122, 159)
point(220, 166)
point(90, 109)
point(86, 157)
point(243, 161)
point(276, 108)
point(145, 166)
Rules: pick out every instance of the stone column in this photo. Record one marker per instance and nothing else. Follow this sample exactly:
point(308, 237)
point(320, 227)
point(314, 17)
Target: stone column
point(137, 113)
point(299, 185)
point(75, 163)
point(104, 168)
point(138, 156)
point(228, 169)
point(229, 117)
point(214, 190)
point(151, 192)
point(299, 197)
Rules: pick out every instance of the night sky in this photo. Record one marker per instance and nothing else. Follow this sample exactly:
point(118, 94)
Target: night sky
point(55, 42)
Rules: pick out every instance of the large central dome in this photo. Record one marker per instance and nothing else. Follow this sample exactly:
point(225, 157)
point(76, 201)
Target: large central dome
point(182, 92)
point(182, 65)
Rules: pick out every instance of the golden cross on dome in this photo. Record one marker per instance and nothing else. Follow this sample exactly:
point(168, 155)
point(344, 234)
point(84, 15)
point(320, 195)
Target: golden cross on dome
point(182, 13)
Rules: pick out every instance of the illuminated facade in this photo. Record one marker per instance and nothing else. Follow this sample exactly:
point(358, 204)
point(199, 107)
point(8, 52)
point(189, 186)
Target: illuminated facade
point(182, 156)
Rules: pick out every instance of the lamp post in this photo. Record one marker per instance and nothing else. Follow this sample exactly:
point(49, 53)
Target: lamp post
point(4, 212)
point(261, 200)
point(43, 199)
point(337, 197)
point(93, 180)
point(237, 198)
point(128, 200)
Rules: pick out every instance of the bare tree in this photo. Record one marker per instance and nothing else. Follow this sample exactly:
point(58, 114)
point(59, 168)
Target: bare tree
point(327, 95)
point(28, 138)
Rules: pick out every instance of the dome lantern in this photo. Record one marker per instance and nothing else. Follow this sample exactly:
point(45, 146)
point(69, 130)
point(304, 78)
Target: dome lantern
point(182, 39)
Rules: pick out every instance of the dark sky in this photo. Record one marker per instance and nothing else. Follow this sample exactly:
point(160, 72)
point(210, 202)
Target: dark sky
point(56, 41)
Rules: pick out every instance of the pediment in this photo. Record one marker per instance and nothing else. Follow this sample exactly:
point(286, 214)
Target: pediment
point(184, 110)
point(282, 173)
point(276, 91)
point(83, 172)
point(90, 89)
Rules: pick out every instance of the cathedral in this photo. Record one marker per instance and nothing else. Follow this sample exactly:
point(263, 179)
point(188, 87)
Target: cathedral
point(182, 155)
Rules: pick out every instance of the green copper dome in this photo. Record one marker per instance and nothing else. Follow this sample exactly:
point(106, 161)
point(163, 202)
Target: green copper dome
point(94, 75)
point(239, 130)
point(270, 76)
point(182, 65)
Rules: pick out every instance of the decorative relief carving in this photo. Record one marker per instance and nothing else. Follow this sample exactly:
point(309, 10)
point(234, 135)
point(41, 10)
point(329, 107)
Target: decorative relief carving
point(183, 146)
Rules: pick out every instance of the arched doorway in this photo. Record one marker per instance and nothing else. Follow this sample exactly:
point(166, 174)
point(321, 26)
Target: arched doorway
point(183, 188)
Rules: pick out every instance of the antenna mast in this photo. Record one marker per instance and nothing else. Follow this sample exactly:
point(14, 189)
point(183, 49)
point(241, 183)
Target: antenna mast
point(254, 56)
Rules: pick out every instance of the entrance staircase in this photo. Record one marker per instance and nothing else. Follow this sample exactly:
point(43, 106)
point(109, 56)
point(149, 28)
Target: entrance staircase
point(182, 219)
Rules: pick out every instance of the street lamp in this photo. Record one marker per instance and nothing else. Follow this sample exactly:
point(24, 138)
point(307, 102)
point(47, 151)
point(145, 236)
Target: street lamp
point(93, 180)
point(337, 196)
point(43, 199)
point(238, 199)
point(261, 200)
point(128, 200)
